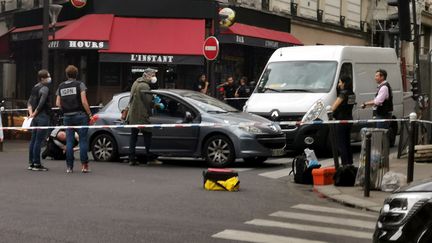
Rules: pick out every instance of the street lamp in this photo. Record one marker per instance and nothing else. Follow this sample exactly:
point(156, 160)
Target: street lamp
point(49, 11)
point(45, 34)
point(54, 12)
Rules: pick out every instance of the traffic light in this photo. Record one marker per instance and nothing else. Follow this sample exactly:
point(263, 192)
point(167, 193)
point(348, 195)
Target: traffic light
point(415, 89)
point(402, 19)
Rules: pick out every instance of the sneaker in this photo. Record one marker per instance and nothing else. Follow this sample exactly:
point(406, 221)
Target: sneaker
point(85, 168)
point(39, 168)
point(69, 170)
point(133, 163)
point(154, 162)
point(30, 167)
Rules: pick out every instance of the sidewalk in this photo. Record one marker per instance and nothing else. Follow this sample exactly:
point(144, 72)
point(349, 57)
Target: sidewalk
point(354, 196)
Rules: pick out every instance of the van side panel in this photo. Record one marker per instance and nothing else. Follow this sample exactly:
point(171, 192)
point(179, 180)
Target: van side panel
point(365, 86)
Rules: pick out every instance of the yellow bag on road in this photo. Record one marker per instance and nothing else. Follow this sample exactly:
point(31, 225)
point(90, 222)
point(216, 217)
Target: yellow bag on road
point(221, 180)
point(232, 184)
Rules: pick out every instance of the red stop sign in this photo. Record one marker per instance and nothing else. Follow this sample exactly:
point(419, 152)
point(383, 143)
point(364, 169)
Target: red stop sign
point(78, 3)
point(211, 48)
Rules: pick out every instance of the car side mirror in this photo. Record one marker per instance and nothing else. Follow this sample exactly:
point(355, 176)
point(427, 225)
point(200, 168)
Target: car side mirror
point(188, 117)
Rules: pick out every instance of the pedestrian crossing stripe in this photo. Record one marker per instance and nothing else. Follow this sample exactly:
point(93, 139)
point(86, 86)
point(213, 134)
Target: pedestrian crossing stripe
point(325, 219)
point(311, 228)
point(321, 209)
point(240, 235)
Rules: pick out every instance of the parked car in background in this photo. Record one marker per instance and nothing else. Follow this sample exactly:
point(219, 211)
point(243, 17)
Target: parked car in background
point(235, 134)
point(406, 215)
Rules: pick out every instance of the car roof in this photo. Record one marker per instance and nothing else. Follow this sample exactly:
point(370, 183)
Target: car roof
point(179, 92)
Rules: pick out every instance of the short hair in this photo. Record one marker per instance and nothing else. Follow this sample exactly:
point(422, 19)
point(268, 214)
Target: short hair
point(43, 74)
point(244, 78)
point(229, 78)
point(348, 84)
point(71, 71)
point(382, 73)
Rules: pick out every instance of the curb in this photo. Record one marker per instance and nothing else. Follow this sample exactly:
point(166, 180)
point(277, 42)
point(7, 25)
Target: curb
point(334, 194)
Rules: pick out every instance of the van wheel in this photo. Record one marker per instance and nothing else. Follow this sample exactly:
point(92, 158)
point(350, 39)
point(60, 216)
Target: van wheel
point(218, 151)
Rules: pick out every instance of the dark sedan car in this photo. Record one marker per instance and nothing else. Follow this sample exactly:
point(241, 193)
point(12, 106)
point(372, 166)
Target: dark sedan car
point(223, 134)
point(407, 215)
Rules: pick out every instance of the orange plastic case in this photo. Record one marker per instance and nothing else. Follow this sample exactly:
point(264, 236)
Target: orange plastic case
point(323, 176)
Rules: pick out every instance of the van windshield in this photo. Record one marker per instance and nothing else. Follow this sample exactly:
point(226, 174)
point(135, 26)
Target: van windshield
point(298, 76)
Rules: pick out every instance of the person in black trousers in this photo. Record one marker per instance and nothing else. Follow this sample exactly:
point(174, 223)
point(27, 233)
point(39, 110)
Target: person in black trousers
point(342, 110)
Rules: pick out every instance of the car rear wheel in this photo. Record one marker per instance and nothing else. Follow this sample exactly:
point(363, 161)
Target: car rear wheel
point(104, 148)
point(218, 151)
point(255, 160)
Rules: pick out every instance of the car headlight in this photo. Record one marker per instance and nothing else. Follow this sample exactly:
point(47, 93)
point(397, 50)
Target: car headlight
point(251, 129)
point(397, 209)
point(314, 112)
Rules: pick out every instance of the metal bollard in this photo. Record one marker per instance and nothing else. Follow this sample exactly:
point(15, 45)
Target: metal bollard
point(332, 134)
point(411, 145)
point(367, 164)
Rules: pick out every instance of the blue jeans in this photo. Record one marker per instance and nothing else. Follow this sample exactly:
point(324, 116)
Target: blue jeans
point(38, 136)
point(76, 120)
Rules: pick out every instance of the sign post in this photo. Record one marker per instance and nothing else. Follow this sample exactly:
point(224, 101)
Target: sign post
point(211, 52)
point(211, 48)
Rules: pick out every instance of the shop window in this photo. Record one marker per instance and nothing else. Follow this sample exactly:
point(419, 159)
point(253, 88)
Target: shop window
point(110, 74)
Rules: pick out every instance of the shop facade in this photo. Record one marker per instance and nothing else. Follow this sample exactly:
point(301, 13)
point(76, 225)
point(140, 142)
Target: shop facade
point(112, 44)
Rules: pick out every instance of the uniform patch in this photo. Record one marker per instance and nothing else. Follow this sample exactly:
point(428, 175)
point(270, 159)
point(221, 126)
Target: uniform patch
point(68, 91)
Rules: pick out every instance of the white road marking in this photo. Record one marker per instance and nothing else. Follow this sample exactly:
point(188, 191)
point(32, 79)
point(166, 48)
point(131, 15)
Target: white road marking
point(322, 209)
point(325, 219)
point(277, 173)
point(240, 169)
point(247, 236)
point(310, 228)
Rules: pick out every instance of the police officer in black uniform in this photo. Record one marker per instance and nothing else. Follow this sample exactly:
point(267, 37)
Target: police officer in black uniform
point(229, 91)
point(39, 108)
point(342, 110)
point(72, 99)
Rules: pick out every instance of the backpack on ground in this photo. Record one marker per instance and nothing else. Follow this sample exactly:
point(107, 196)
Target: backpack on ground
point(345, 175)
point(302, 171)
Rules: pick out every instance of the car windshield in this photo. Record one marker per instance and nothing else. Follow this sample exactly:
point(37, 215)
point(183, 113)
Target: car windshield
point(298, 76)
point(208, 104)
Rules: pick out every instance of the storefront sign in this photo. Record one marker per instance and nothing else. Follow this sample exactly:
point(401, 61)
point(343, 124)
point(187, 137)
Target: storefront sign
point(74, 44)
point(78, 3)
point(150, 58)
point(251, 41)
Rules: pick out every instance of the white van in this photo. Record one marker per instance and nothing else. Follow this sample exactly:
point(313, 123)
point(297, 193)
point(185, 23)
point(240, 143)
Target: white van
point(298, 84)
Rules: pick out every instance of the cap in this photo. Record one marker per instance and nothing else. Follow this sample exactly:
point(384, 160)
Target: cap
point(150, 70)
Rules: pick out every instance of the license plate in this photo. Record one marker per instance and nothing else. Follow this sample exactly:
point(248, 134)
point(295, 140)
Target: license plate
point(278, 152)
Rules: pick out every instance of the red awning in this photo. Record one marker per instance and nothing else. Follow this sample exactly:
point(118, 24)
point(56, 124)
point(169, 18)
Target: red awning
point(157, 36)
point(261, 33)
point(92, 27)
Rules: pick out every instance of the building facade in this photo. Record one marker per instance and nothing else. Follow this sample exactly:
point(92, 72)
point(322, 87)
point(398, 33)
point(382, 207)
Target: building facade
point(111, 41)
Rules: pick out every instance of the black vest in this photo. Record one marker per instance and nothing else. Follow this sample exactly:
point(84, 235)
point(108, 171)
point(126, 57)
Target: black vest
point(70, 96)
point(387, 106)
point(35, 99)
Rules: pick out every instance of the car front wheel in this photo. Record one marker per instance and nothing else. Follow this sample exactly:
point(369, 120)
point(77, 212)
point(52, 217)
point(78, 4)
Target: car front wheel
point(218, 151)
point(104, 148)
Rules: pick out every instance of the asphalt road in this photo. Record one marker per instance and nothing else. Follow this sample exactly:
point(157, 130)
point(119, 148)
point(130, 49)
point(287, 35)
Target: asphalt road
point(166, 203)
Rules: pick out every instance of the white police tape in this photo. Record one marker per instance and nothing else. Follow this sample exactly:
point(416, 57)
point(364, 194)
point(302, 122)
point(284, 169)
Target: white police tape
point(204, 124)
point(317, 122)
